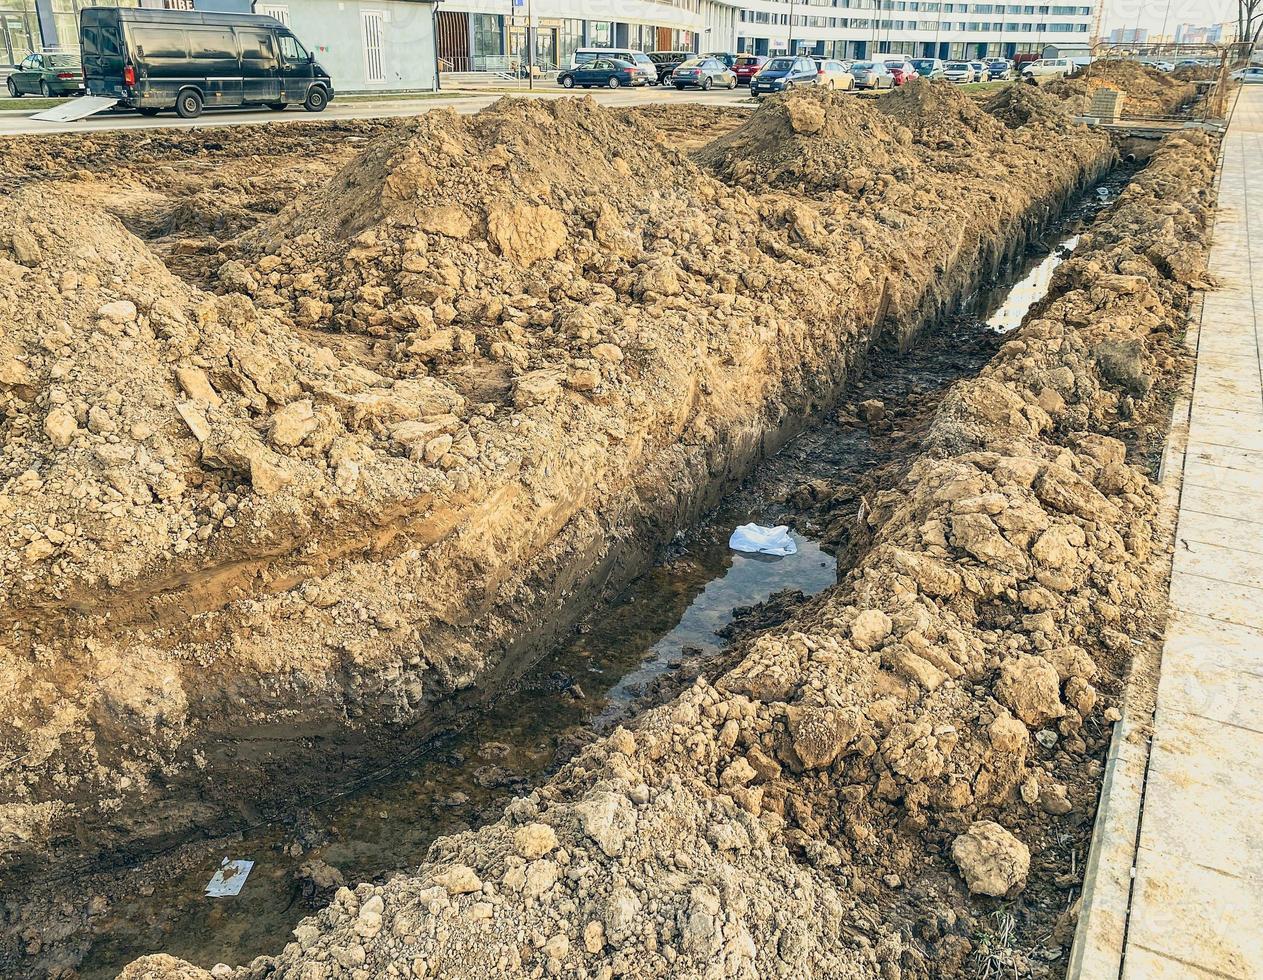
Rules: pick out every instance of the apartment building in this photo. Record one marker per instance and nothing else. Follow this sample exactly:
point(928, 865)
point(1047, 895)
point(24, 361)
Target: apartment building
point(921, 28)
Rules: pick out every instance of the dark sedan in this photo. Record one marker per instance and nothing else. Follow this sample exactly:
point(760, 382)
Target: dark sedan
point(703, 73)
point(782, 74)
point(603, 72)
point(999, 70)
point(48, 75)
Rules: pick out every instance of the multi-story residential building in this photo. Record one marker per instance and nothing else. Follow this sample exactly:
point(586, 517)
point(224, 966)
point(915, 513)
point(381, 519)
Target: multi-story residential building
point(922, 28)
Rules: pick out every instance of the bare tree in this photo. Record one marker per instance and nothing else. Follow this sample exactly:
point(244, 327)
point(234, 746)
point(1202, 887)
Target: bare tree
point(1249, 22)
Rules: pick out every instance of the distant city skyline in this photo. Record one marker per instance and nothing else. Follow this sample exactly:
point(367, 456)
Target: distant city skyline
point(1152, 14)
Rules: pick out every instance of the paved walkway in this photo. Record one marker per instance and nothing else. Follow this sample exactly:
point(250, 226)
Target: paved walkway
point(1197, 900)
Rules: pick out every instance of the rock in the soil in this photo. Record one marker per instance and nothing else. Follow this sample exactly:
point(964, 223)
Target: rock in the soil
point(534, 840)
point(870, 628)
point(991, 860)
point(872, 410)
point(1029, 686)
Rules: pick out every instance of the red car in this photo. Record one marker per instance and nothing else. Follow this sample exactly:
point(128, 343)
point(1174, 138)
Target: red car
point(747, 66)
point(902, 71)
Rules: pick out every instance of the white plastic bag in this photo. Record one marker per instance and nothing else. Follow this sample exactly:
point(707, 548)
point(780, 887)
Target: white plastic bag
point(763, 540)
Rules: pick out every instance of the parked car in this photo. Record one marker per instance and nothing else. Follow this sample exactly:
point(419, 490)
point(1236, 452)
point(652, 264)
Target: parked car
point(604, 72)
point(999, 70)
point(150, 60)
point(748, 66)
point(665, 62)
point(1252, 74)
point(928, 67)
point(704, 73)
point(782, 74)
point(1164, 66)
point(980, 70)
point(872, 74)
point(727, 57)
point(639, 61)
point(831, 74)
point(900, 70)
point(958, 72)
point(1048, 68)
point(48, 75)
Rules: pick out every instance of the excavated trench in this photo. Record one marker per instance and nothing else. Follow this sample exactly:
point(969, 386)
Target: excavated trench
point(633, 647)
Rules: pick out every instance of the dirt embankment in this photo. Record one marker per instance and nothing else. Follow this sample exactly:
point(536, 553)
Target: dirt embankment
point(1149, 92)
point(436, 403)
point(884, 785)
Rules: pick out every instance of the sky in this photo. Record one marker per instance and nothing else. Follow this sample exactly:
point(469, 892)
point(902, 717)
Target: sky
point(1151, 13)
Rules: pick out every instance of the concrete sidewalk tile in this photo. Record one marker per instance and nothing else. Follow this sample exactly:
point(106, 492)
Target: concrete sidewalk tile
point(1197, 916)
point(1217, 599)
point(1239, 567)
point(1245, 481)
point(1190, 820)
point(1145, 964)
point(1242, 460)
point(1214, 755)
point(1202, 433)
point(1209, 499)
point(1227, 532)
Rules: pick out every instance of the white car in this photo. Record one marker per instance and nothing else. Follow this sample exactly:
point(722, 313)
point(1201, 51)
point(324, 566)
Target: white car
point(1254, 73)
point(1048, 68)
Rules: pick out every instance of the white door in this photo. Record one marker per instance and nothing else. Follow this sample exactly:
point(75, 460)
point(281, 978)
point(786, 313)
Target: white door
point(374, 66)
point(277, 10)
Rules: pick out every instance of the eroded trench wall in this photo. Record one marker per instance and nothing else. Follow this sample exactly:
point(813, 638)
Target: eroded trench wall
point(277, 734)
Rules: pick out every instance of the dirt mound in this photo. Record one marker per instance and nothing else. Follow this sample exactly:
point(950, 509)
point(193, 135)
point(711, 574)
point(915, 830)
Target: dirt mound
point(812, 141)
point(1148, 91)
point(1018, 106)
point(911, 752)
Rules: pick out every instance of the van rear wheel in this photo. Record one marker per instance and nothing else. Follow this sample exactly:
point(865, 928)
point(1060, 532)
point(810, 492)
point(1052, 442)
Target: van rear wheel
point(188, 104)
point(316, 99)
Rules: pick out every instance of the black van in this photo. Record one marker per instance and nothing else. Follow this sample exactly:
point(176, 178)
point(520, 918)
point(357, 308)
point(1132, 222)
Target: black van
point(152, 60)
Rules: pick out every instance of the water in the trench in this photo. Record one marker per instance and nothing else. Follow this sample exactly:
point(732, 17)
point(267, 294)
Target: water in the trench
point(663, 627)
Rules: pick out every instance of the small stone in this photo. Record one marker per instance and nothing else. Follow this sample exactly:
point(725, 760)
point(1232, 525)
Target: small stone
point(870, 628)
point(872, 410)
point(60, 427)
point(534, 840)
point(459, 879)
point(991, 860)
point(120, 311)
point(197, 386)
point(292, 424)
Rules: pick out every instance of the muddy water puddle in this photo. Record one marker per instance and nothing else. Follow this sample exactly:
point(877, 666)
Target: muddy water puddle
point(654, 636)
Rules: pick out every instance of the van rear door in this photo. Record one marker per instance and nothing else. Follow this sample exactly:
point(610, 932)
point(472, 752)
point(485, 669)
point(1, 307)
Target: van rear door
point(260, 69)
point(213, 53)
point(101, 52)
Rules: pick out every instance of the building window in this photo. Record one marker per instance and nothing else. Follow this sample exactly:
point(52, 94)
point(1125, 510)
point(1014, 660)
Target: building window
point(488, 35)
point(600, 34)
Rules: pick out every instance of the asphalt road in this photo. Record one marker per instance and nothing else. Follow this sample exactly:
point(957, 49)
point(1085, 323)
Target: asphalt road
point(19, 122)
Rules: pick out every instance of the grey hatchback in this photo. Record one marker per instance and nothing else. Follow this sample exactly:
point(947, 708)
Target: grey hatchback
point(703, 73)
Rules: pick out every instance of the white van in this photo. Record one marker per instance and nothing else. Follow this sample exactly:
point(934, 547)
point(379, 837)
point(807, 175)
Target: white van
point(640, 61)
point(1049, 68)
